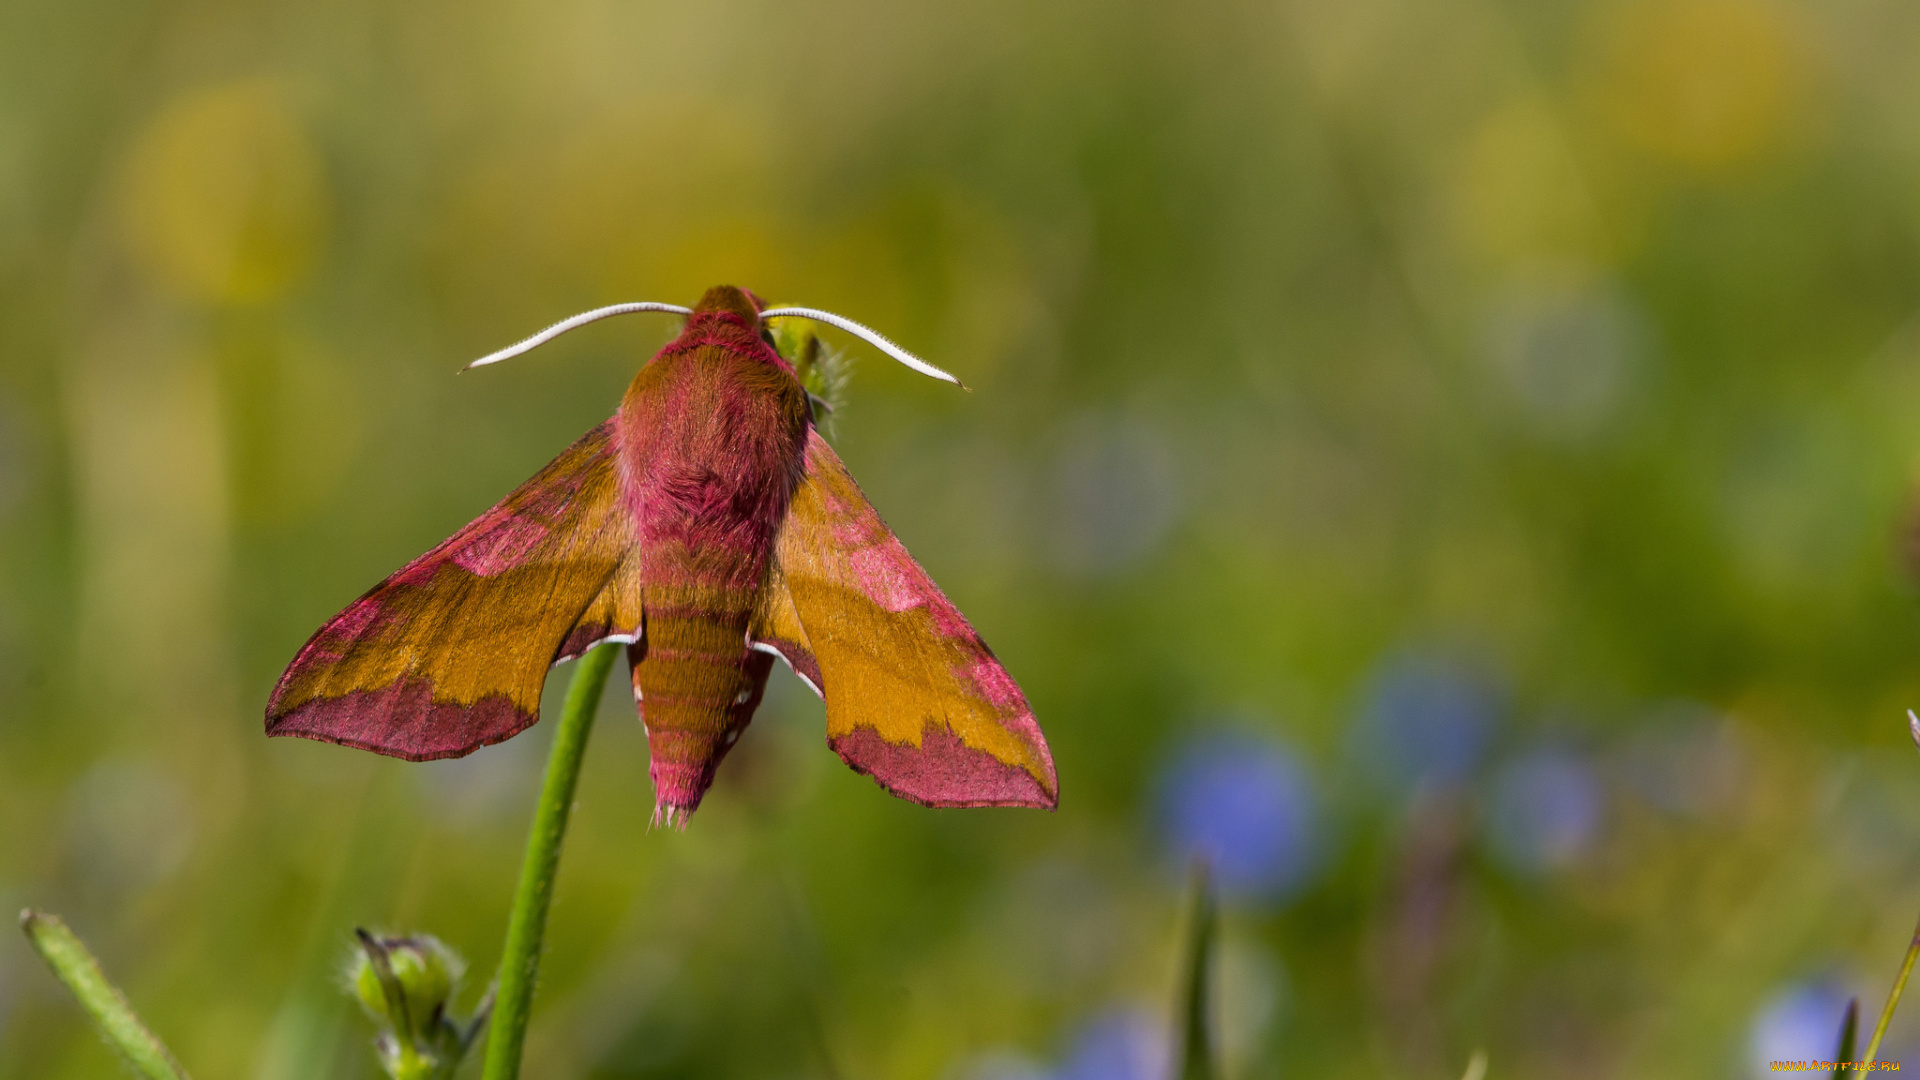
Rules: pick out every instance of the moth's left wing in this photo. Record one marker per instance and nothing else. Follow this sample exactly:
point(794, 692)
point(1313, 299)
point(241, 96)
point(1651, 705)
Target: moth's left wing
point(914, 698)
point(449, 654)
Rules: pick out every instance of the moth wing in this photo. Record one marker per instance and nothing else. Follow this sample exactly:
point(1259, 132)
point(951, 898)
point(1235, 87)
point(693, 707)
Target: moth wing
point(914, 698)
point(450, 653)
point(775, 626)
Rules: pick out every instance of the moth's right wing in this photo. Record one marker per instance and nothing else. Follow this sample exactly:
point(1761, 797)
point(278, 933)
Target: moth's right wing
point(449, 654)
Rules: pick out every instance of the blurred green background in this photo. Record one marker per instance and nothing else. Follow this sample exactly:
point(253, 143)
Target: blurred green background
point(1453, 462)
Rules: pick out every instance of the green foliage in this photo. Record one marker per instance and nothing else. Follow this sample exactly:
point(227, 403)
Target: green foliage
point(1849, 1032)
point(1893, 1000)
point(825, 371)
point(1194, 1034)
point(106, 1006)
point(533, 896)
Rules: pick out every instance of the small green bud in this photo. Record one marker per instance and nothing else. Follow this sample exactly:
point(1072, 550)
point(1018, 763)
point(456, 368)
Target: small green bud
point(823, 371)
point(407, 985)
point(795, 341)
point(426, 972)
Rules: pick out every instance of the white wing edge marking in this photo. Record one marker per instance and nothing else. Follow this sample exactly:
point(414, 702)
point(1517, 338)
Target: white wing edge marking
point(761, 646)
point(624, 639)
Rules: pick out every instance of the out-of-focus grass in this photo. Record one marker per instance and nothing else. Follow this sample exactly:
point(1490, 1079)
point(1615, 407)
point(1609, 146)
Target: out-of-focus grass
point(69, 961)
point(1193, 1010)
point(1494, 424)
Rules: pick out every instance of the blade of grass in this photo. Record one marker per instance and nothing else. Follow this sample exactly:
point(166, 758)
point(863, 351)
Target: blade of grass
point(1476, 1066)
point(1849, 1034)
point(1195, 1008)
point(67, 955)
point(1893, 999)
point(527, 922)
point(1913, 953)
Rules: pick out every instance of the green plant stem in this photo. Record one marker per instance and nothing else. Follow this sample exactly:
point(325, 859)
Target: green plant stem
point(1886, 1014)
point(67, 955)
point(1195, 1008)
point(527, 923)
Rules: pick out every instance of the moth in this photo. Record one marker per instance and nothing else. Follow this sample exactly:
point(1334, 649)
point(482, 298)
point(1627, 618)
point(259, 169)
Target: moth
point(710, 528)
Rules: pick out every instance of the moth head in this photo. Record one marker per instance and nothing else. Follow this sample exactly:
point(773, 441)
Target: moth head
point(733, 301)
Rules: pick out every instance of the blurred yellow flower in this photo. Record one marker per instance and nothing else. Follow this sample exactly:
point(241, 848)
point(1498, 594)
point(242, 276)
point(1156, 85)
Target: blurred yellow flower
point(224, 200)
point(1708, 85)
point(1518, 192)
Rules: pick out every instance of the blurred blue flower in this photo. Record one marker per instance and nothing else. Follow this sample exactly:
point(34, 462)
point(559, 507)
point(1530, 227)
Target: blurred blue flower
point(1126, 1044)
point(1798, 1023)
point(1244, 805)
point(1544, 810)
point(1426, 721)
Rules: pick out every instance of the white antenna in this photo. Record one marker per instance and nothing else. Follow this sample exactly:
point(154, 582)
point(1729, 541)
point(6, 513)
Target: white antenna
point(579, 320)
point(872, 337)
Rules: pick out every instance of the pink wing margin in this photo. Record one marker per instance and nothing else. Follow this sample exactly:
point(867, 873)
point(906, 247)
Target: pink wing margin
point(450, 653)
point(914, 698)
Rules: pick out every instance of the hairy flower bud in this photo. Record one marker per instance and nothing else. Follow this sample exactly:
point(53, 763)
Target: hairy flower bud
point(426, 972)
point(406, 984)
